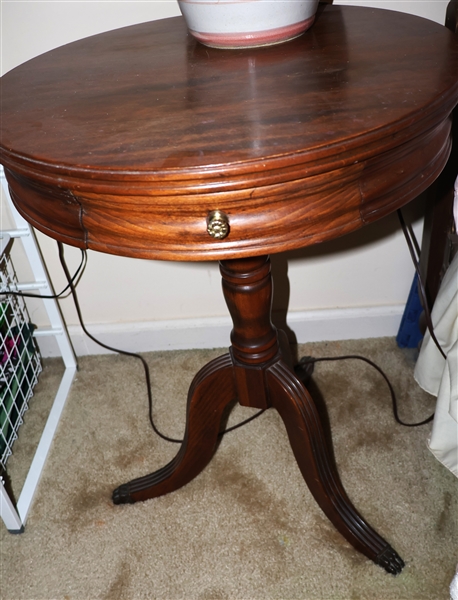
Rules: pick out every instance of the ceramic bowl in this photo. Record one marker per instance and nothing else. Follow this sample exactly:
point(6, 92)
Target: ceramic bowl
point(247, 23)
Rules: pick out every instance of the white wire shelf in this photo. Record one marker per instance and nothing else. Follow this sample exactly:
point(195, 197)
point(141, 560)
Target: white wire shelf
point(20, 363)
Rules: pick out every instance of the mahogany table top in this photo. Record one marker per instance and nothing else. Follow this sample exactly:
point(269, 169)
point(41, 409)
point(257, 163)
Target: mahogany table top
point(123, 142)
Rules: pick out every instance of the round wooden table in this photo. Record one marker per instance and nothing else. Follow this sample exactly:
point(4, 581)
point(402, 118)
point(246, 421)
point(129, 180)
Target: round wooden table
point(142, 142)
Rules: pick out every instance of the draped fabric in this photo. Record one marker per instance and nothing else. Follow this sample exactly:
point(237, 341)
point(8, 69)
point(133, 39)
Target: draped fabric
point(439, 376)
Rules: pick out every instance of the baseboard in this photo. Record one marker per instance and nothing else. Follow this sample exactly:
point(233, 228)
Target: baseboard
point(213, 332)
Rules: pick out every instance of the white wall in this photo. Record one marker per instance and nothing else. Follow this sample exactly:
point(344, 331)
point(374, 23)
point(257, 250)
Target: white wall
point(368, 272)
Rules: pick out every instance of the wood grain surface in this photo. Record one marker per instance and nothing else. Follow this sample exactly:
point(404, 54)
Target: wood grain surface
point(125, 141)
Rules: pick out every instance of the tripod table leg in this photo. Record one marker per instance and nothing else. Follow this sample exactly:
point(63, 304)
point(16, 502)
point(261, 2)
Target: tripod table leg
point(315, 460)
point(211, 391)
point(257, 373)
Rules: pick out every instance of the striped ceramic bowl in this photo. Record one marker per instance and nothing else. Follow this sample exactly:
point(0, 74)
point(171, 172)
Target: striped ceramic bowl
point(247, 23)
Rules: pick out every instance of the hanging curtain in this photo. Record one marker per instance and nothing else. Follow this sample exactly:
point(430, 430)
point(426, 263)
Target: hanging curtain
point(439, 376)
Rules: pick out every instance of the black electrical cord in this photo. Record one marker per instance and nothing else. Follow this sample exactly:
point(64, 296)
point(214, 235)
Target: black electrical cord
point(411, 242)
point(133, 355)
point(74, 280)
point(305, 360)
point(312, 360)
point(414, 250)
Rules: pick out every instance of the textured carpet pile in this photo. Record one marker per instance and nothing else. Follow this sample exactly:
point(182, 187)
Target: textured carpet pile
point(247, 527)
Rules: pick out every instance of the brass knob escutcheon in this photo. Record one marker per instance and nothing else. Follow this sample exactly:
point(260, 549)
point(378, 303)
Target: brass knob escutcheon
point(217, 224)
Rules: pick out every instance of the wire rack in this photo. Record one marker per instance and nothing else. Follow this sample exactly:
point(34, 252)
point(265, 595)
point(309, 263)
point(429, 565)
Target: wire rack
point(20, 363)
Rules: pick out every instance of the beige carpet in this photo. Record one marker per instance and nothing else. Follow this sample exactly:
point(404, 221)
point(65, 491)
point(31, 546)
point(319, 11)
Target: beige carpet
point(247, 527)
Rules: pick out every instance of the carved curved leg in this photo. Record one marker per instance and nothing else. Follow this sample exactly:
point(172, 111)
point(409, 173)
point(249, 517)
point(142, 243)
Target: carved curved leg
point(316, 463)
point(211, 391)
point(257, 373)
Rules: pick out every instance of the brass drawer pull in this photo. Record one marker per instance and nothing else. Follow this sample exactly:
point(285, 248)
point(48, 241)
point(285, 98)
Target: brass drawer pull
point(217, 224)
